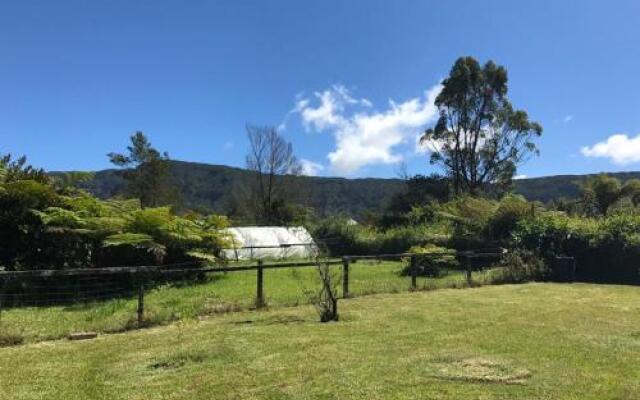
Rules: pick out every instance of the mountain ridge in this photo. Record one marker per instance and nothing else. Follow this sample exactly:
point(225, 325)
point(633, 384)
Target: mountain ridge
point(216, 187)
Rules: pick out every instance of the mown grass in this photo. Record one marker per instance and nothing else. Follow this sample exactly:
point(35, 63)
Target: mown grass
point(220, 293)
point(532, 341)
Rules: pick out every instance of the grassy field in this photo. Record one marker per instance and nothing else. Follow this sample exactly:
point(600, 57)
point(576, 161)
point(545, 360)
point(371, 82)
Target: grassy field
point(220, 293)
point(533, 341)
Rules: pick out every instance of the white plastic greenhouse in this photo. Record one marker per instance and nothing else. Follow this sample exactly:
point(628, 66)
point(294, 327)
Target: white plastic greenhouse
point(270, 242)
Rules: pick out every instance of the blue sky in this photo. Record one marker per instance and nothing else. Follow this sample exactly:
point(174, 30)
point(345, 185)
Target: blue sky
point(348, 82)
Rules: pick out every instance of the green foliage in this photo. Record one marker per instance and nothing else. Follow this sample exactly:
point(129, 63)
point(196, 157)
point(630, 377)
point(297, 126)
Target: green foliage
point(223, 190)
point(215, 188)
point(147, 173)
point(3, 176)
point(472, 212)
point(511, 209)
point(631, 189)
point(342, 237)
point(469, 217)
point(67, 182)
point(601, 192)
point(413, 205)
point(432, 260)
point(60, 217)
point(150, 221)
point(479, 138)
point(20, 228)
point(19, 170)
point(521, 266)
point(27, 195)
point(606, 249)
point(133, 248)
point(42, 228)
point(285, 213)
point(131, 239)
point(464, 223)
point(478, 222)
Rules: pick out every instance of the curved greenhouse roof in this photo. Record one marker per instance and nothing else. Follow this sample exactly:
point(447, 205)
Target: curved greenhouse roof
point(270, 242)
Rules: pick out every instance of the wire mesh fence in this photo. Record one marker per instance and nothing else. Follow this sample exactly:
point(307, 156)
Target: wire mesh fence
point(38, 305)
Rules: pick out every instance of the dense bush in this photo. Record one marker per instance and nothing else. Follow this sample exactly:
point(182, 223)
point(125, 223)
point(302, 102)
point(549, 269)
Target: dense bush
point(469, 216)
point(343, 237)
point(22, 234)
point(480, 222)
point(606, 249)
point(431, 260)
point(521, 266)
point(511, 209)
point(44, 226)
point(464, 223)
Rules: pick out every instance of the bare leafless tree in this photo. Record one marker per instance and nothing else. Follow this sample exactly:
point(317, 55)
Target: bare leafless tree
point(326, 301)
point(272, 160)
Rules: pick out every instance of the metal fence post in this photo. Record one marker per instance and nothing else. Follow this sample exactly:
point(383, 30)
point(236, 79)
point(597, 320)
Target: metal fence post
point(345, 277)
point(414, 273)
point(260, 285)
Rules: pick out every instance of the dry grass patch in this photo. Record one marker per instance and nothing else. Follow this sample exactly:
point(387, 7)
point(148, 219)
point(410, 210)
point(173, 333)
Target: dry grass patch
point(481, 370)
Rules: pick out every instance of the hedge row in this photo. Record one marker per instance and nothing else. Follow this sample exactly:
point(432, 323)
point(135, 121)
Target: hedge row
point(606, 250)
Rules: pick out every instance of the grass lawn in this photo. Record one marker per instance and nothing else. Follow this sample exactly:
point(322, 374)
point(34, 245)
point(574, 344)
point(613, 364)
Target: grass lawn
point(533, 341)
point(221, 293)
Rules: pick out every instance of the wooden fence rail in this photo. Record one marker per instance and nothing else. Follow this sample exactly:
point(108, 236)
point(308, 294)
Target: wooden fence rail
point(142, 272)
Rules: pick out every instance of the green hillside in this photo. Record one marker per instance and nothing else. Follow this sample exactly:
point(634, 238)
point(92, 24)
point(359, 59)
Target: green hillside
point(554, 187)
point(217, 187)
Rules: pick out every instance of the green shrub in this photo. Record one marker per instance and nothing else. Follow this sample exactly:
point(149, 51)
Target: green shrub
point(511, 209)
point(340, 237)
point(21, 231)
point(43, 229)
point(521, 266)
point(605, 249)
point(480, 222)
point(468, 217)
point(432, 260)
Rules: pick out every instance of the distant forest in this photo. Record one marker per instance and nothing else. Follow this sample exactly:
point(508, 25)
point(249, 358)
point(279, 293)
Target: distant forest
point(216, 188)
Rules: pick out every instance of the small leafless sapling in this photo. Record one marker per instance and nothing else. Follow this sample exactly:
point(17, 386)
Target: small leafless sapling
point(326, 301)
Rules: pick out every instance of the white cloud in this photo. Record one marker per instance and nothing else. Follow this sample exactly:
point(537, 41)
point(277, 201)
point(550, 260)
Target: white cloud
point(620, 148)
point(328, 113)
point(310, 168)
point(568, 118)
point(521, 176)
point(364, 136)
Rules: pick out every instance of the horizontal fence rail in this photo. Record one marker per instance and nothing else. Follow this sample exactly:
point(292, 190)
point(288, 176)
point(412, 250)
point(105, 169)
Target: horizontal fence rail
point(160, 269)
point(43, 288)
point(197, 266)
